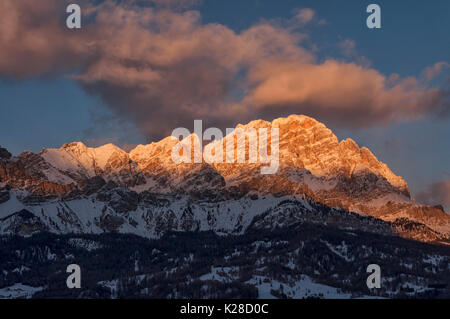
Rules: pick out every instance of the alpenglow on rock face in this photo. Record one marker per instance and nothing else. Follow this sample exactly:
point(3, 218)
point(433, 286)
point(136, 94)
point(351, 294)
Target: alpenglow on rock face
point(92, 190)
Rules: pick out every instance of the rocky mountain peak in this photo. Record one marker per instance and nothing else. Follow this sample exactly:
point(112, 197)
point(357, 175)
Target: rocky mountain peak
point(309, 144)
point(305, 144)
point(313, 164)
point(74, 146)
point(4, 153)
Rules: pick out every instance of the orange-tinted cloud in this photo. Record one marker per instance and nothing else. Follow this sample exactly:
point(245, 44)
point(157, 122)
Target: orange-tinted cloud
point(162, 67)
point(431, 72)
point(33, 41)
point(342, 93)
point(305, 15)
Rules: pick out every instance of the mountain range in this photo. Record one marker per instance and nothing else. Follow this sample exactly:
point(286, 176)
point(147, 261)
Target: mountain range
point(85, 190)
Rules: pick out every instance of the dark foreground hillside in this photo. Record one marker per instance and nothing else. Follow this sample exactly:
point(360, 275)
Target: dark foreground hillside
point(301, 261)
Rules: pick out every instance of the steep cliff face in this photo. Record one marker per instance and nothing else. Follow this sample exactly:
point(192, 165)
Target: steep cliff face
point(27, 173)
point(313, 165)
point(311, 155)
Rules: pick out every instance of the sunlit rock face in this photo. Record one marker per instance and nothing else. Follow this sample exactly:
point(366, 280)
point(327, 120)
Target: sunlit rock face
point(83, 189)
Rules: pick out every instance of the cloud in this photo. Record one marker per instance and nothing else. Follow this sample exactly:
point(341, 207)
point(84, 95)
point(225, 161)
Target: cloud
point(344, 94)
point(305, 15)
point(300, 19)
point(170, 69)
point(179, 4)
point(436, 194)
point(349, 52)
point(161, 67)
point(433, 71)
point(32, 39)
point(348, 47)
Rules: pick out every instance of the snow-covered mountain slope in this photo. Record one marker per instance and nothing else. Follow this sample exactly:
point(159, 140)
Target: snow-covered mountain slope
point(78, 163)
point(90, 190)
point(151, 215)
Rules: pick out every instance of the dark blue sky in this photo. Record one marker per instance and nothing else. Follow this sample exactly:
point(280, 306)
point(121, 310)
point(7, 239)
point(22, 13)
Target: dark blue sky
point(47, 112)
